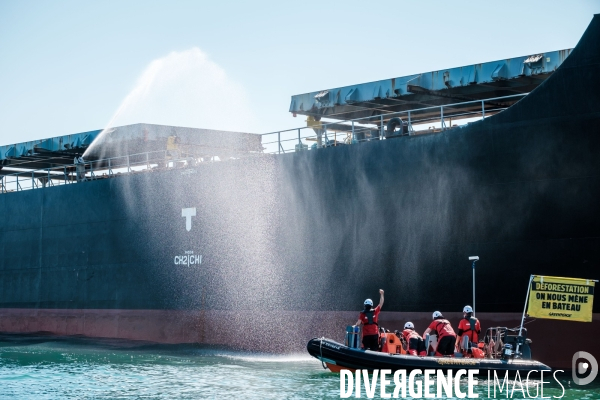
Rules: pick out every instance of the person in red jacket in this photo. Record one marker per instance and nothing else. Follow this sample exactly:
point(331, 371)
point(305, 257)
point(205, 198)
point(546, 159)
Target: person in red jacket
point(414, 343)
point(369, 318)
point(445, 335)
point(468, 326)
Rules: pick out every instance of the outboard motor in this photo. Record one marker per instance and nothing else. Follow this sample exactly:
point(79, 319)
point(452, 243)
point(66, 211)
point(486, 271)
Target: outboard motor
point(353, 336)
point(507, 352)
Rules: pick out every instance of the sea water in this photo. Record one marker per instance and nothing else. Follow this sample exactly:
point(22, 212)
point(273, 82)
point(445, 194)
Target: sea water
point(38, 367)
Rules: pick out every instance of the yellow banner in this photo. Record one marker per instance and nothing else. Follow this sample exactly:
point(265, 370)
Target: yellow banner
point(552, 297)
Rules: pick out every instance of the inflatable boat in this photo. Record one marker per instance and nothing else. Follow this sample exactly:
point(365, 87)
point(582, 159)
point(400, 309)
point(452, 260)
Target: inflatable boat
point(506, 353)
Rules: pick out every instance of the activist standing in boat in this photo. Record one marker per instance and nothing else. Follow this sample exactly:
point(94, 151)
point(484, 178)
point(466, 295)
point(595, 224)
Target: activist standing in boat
point(369, 317)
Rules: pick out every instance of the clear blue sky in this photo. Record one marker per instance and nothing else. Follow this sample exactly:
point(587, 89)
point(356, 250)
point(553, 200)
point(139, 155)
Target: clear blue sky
point(67, 66)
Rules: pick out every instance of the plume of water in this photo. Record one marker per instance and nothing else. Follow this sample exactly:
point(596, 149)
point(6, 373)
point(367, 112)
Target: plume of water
point(183, 88)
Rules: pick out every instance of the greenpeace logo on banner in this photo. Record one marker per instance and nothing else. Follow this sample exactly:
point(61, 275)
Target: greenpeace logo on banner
point(442, 384)
point(560, 315)
point(189, 258)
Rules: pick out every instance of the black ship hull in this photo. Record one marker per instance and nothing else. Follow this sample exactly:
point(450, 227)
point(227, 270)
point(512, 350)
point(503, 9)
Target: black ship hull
point(319, 231)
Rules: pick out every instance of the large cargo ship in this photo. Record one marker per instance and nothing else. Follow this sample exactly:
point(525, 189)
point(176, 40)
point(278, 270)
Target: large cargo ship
point(262, 241)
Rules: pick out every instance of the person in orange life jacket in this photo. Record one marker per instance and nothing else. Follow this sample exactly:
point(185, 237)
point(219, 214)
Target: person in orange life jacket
point(445, 335)
point(468, 326)
point(369, 317)
point(414, 343)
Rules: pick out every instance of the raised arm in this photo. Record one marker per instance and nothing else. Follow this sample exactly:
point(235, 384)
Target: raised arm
point(380, 298)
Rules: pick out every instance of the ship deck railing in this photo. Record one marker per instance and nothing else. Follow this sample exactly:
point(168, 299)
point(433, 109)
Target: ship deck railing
point(428, 120)
point(23, 179)
point(417, 122)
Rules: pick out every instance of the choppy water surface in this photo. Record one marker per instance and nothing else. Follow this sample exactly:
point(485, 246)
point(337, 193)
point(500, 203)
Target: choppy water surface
point(49, 368)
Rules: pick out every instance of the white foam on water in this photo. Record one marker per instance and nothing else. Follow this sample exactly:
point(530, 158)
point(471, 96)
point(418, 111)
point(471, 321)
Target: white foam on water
point(269, 358)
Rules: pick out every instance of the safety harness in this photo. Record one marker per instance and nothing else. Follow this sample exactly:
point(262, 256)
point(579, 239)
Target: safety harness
point(370, 317)
point(473, 322)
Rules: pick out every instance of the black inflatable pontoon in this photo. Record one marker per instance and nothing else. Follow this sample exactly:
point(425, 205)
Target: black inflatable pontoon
point(338, 356)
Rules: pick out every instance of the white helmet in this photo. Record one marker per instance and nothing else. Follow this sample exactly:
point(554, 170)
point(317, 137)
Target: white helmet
point(369, 302)
point(437, 314)
point(409, 325)
point(467, 309)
